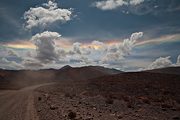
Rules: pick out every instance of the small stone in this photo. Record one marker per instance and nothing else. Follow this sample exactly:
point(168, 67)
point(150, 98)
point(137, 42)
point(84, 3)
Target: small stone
point(164, 109)
point(89, 118)
point(71, 115)
point(39, 98)
point(176, 118)
point(109, 101)
point(53, 107)
point(39, 110)
point(173, 109)
point(112, 114)
point(120, 116)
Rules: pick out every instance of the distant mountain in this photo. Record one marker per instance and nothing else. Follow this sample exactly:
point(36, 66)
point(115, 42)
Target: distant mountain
point(106, 70)
point(20, 78)
point(169, 70)
point(66, 67)
point(66, 72)
point(83, 73)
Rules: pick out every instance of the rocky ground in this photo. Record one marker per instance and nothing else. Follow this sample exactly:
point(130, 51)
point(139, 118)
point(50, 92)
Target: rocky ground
point(137, 96)
point(90, 93)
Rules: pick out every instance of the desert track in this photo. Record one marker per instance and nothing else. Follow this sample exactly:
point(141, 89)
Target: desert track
point(18, 104)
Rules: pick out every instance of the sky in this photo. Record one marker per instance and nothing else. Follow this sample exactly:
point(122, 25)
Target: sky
point(128, 35)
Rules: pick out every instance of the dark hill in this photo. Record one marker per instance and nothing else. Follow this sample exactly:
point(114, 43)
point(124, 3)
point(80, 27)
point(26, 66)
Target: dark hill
point(12, 79)
point(84, 73)
point(169, 70)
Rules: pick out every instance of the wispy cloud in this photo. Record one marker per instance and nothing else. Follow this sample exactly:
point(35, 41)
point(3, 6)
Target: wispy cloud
point(114, 4)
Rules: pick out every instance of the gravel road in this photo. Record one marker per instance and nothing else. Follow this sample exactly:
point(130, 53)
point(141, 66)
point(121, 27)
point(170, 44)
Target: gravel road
point(18, 104)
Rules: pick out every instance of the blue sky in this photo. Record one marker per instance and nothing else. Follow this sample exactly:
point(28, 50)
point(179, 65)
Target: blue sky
point(104, 21)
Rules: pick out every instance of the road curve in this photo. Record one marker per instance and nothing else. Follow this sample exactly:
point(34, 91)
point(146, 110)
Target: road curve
point(19, 104)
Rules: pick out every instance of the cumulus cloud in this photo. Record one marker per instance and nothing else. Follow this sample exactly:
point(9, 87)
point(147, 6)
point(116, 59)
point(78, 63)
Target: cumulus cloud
point(120, 50)
point(97, 45)
point(45, 15)
point(160, 63)
point(178, 60)
point(109, 4)
point(12, 53)
point(136, 2)
point(138, 7)
point(6, 64)
point(114, 4)
point(32, 64)
point(78, 49)
point(48, 54)
point(136, 36)
point(46, 49)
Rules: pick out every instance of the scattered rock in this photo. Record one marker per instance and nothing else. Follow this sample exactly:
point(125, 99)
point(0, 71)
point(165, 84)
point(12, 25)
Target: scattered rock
point(164, 109)
point(39, 98)
point(144, 99)
point(173, 109)
point(109, 101)
point(71, 115)
point(46, 96)
point(176, 118)
point(120, 116)
point(38, 110)
point(53, 107)
point(68, 95)
point(165, 105)
point(89, 118)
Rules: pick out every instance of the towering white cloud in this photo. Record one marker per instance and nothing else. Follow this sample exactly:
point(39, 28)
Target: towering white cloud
point(46, 49)
point(45, 15)
point(113, 4)
point(160, 63)
point(118, 51)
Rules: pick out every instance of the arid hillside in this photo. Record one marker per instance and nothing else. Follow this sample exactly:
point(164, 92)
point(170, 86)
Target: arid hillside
point(89, 93)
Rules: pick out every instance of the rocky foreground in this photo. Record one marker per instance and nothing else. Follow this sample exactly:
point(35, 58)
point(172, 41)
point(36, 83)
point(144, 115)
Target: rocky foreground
point(90, 93)
point(127, 96)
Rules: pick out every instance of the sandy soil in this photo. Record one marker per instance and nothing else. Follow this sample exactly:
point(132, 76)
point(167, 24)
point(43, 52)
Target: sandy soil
point(18, 104)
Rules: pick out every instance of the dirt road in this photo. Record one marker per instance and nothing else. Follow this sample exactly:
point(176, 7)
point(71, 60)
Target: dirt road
point(18, 104)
